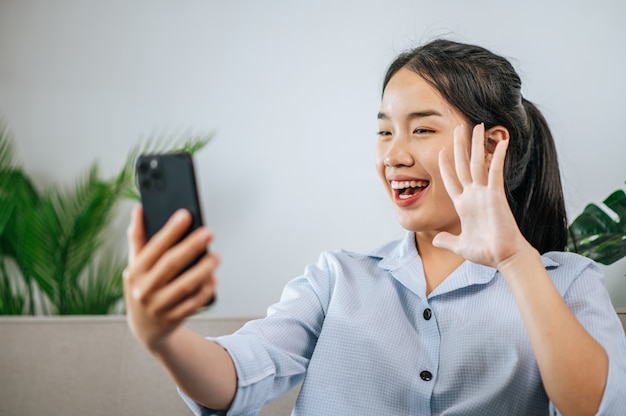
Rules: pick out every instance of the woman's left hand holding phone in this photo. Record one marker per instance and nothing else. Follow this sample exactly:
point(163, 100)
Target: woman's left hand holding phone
point(157, 298)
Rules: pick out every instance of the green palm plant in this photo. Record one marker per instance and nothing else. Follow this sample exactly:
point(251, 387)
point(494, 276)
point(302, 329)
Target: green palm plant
point(595, 234)
point(57, 254)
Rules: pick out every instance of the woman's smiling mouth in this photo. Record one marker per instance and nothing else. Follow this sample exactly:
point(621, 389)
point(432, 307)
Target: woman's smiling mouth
point(406, 192)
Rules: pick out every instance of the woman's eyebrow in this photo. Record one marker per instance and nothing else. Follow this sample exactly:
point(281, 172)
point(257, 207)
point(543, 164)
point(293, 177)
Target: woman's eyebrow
point(413, 115)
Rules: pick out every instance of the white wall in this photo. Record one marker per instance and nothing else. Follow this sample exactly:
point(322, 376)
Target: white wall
point(292, 90)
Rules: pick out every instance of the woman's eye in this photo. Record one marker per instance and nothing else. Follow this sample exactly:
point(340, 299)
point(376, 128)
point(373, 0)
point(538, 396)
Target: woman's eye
point(384, 133)
point(420, 130)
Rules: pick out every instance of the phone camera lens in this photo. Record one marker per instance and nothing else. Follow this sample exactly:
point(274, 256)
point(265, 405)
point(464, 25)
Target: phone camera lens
point(143, 166)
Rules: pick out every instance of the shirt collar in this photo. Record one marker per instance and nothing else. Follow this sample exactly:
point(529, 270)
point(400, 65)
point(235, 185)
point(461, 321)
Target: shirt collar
point(401, 259)
point(394, 253)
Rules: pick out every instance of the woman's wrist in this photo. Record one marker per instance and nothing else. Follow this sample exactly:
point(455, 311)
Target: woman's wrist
point(521, 259)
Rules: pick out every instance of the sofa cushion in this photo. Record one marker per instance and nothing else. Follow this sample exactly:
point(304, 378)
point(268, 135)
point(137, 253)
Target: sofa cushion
point(93, 366)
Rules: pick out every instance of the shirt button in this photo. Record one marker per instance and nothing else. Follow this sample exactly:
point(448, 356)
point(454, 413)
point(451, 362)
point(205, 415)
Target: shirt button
point(426, 375)
point(428, 314)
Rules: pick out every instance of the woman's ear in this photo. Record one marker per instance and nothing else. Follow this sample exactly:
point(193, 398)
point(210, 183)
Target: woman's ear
point(493, 136)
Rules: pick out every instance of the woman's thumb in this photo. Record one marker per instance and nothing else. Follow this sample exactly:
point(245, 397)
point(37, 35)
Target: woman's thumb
point(445, 240)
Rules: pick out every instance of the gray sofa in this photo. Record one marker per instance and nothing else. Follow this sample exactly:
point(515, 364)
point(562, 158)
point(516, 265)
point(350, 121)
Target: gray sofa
point(89, 365)
point(93, 366)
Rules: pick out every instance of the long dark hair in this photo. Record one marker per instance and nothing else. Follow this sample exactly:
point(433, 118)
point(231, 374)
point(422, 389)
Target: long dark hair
point(485, 88)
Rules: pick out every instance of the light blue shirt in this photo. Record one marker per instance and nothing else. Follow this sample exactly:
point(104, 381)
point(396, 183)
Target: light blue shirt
point(363, 337)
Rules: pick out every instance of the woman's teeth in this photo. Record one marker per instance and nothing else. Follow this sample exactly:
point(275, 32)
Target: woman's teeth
point(406, 189)
point(408, 184)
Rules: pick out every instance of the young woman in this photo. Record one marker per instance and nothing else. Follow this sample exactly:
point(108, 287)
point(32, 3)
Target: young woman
point(477, 311)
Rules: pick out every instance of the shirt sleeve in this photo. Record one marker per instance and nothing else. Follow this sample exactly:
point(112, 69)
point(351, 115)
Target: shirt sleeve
point(589, 300)
point(271, 354)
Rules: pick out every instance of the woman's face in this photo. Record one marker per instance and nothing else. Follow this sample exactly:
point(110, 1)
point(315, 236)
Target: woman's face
point(415, 123)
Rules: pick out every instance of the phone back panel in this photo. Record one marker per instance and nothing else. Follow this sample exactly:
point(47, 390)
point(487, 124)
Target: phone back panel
point(167, 183)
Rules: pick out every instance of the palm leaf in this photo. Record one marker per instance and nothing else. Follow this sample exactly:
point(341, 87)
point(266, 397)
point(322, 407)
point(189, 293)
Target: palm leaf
point(32, 241)
point(7, 150)
point(21, 221)
point(597, 235)
point(12, 299)
point(15, 190)
point(99, 291)
point(85, 214)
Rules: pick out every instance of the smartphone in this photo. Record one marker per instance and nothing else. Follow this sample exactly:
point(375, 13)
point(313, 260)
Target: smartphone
point(167, 183)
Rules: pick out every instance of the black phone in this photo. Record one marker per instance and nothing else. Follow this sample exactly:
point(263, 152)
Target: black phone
point(167, 183)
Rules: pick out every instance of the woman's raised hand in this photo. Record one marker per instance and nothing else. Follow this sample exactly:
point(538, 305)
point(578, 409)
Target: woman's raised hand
point(489, 232)
point(157, 298)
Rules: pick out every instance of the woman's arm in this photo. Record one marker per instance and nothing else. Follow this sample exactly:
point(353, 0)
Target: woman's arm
point(202, 369)
point(157, 304)
point(573, 365)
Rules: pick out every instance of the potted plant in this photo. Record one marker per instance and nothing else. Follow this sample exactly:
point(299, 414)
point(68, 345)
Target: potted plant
point(597, 235)
point(56, 251)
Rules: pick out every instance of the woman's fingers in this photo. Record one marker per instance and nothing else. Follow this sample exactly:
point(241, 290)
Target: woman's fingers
point(469, 168)
point(172, 262)
point(188, 292)
point(448, 175)
point(136, 234)
point(165, 238)
point(461, 156)
point(478, 168)
point(496, 169)
point(447, 241)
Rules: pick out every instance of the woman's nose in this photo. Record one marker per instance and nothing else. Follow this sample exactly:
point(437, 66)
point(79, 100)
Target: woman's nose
point(397, 156)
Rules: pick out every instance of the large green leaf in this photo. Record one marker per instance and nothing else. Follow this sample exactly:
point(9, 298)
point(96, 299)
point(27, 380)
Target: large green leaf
point(597, 235)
